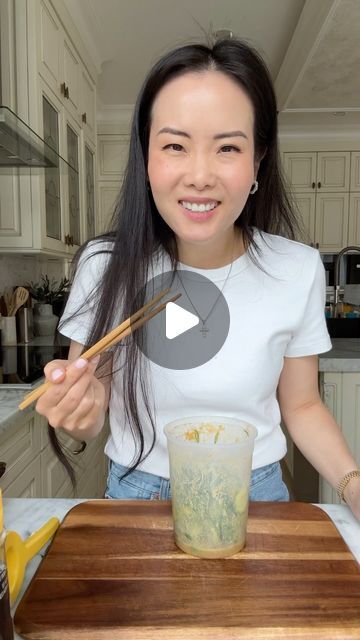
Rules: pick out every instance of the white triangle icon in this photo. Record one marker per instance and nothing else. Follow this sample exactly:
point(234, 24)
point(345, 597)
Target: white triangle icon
point(178, 320)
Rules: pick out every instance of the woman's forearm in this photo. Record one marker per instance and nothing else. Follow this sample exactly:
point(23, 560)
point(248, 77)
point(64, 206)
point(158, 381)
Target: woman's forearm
point(318, 436)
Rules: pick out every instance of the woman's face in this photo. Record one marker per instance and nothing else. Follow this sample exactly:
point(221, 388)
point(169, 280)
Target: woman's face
point(201, 155)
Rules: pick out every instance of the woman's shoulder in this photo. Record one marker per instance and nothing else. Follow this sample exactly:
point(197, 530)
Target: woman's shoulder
point(280, 244)
point(95, 252)
point(285, 258)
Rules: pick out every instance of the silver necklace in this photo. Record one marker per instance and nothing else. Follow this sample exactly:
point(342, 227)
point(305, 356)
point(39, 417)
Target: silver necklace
point(204, 330)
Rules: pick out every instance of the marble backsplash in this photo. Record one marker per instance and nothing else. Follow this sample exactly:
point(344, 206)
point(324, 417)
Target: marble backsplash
point(17, 269)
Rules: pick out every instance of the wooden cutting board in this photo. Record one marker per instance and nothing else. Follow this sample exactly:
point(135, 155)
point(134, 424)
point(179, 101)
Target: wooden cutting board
point(113, 571)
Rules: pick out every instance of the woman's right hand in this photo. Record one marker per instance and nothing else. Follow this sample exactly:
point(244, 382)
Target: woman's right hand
point(76, 400)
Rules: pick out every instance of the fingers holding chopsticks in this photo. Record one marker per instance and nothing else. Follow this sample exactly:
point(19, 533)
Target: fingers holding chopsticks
point(76, 398)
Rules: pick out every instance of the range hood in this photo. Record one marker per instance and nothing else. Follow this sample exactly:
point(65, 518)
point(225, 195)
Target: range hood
point(20, 146)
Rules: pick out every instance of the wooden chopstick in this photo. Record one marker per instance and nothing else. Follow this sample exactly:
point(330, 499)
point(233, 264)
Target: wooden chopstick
point(114, 336)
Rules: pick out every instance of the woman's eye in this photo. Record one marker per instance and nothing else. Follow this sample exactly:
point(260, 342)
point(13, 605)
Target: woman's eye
point(174, 146)
point(230, 147)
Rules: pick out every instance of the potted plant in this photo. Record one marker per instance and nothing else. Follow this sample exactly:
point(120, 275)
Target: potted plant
point(48, 293)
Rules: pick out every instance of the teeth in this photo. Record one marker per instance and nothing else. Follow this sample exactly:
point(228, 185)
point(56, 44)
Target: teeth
point(191, 206)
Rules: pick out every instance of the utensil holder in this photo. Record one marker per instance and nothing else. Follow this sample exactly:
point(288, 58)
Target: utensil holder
point(8, 330)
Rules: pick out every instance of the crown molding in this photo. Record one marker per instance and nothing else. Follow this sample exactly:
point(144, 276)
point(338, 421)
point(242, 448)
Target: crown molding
point(343, 132)
point(114, 114)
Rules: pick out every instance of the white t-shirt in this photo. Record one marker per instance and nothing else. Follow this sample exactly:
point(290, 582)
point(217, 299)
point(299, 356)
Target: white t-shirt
point(275, 313)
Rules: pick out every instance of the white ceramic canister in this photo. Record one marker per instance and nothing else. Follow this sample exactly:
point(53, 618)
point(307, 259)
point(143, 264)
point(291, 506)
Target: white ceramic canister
point(44, 320)
point(8, 330)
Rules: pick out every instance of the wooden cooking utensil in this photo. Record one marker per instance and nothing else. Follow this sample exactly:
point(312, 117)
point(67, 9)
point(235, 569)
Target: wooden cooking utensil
point(8, 297)
point(20, 296)
point(122, 331)
point(3, 307)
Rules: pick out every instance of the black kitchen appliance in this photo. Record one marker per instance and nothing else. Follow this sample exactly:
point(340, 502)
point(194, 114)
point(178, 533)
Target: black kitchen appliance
point(353, 269)
point(23, 365)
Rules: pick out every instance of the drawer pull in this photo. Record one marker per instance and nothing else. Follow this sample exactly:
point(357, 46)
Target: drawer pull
point(81, 448)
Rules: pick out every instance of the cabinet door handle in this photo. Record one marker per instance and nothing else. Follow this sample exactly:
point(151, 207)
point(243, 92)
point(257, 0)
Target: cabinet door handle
point(64, 90)
point(2, 468)
point(83, 117)
point(67, 239)
point(317, 245)
point(319, 185)
point(313, 185)
point(311, 244)
point(81, 448)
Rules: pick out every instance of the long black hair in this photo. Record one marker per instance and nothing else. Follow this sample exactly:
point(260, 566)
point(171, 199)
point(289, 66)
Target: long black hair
point(137, 230)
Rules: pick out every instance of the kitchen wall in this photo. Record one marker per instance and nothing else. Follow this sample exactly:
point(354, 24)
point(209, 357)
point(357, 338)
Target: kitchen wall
point(17, 270)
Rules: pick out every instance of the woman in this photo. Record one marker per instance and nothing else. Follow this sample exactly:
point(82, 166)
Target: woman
point(203, 139)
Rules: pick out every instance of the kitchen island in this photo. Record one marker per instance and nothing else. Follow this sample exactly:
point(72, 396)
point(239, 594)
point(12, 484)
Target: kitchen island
point(27, 515)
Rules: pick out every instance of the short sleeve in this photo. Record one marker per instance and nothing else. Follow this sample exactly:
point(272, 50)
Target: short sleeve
point(311, 336)
point(79, 312)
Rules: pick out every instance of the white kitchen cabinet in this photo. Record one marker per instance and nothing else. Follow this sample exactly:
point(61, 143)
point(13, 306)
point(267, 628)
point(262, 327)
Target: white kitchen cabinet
point(331, 221)
point(107, 196)
point(88, 184)
point(88, 106)
point(23, 483)
point(326, 171)
point(321, 184)
point(61, 67)
point(18, 450)
point(325, 218)
point(33, 470)
point(49, 45)
point(355, 171)
point(341, 394)
point(113, 153)
point(58, 63)
point(44, 211)
point(112, 159)
point(354, 219)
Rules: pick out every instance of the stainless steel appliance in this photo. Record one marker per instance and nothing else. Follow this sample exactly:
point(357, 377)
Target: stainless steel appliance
point(22, 366)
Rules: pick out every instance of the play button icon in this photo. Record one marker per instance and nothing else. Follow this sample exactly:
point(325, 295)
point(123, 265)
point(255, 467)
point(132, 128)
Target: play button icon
point(190, 332)
point(178, 320)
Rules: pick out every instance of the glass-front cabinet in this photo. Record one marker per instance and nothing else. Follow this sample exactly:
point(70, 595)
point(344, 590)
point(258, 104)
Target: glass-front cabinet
point(89, 192)
point(60, 192)
point(52, 174)
point(73, 203)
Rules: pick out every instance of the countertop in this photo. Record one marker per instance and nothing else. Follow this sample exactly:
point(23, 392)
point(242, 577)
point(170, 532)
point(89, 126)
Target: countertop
point(26, 515)
point(343, 357)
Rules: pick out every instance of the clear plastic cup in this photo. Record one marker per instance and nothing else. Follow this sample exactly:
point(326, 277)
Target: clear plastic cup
point(210, 468)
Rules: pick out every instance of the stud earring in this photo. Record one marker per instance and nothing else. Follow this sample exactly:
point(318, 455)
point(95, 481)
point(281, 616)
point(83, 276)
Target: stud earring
point(254, 188)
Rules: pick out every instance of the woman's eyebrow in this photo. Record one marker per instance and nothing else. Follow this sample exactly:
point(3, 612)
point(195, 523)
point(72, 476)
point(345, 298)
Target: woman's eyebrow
point(218, 136)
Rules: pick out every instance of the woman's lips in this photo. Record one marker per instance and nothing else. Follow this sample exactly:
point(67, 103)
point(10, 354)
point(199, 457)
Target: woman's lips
point(200, 216)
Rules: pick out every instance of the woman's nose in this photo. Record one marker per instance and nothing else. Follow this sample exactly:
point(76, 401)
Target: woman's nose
point(199, 172)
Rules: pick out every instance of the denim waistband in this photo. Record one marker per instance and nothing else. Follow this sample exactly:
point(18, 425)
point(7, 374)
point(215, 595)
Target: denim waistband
point(266, 484)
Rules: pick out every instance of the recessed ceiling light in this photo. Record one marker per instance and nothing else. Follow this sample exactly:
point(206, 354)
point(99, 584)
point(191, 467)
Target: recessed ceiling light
point(339, 113)
point(222, 34)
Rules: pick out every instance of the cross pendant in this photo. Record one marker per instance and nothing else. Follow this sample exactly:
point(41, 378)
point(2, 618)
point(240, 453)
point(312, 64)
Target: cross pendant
point(204, 331)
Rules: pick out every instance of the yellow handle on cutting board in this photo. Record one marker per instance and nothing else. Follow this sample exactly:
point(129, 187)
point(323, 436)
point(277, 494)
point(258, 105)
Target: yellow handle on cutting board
point(18, 553)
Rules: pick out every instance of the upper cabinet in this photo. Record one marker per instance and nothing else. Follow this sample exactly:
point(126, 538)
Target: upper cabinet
point(321, 183)
point(63, 71)
point(52, 210)
point(318, 171)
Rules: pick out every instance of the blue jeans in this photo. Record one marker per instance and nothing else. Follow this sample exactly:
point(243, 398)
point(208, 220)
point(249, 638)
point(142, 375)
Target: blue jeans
point(266, 484)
